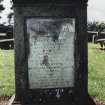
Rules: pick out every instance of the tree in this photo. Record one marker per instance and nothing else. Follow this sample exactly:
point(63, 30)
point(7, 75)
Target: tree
point(1, 6)
point(96, 26)
point(101, 27)
point(10, 15)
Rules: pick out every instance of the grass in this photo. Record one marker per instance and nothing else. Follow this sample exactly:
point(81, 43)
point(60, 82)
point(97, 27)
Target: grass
point(96, 72)
point(6, 73)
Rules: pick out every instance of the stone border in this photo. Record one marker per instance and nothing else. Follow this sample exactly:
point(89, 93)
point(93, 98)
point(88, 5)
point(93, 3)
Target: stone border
point(11, 100)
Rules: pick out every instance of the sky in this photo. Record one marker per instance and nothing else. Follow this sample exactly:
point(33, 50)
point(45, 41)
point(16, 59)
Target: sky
point(96, 10)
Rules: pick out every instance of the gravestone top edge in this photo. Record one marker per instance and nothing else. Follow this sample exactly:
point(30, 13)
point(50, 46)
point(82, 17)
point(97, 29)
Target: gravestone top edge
point(48, 1)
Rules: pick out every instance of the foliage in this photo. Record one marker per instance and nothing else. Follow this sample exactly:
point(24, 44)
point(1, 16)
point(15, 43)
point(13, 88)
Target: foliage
point(96, 26)
point(10, 15)
point(1, 6)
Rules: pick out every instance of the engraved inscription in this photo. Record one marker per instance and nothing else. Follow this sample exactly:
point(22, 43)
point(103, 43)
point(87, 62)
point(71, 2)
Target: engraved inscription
point(51, 52)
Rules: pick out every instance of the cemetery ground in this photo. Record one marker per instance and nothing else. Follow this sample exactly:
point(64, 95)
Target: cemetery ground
point(96, 74)
point(6, 75)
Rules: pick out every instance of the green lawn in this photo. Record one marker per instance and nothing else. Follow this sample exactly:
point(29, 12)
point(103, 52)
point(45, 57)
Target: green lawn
point(6, 72)
point(96, 72)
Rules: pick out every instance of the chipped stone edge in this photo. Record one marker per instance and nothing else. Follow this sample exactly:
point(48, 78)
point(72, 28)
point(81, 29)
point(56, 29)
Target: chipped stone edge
point(11, 100)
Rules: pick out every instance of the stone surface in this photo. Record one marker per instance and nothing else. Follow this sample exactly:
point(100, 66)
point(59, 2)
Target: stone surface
point(47, 1)
point(51, 52)
point(76, 95)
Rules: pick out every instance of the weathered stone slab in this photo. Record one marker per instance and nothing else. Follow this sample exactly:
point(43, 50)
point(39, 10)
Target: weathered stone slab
point(51, 52)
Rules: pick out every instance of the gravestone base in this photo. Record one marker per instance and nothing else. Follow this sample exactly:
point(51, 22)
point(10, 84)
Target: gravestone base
point(13, 101)
point(16, 103)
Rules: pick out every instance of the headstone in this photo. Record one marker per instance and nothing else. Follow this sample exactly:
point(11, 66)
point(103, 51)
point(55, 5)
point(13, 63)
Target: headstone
point(51, 52)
